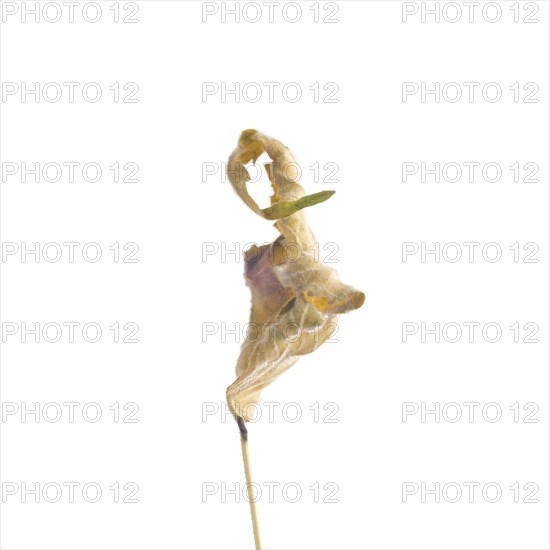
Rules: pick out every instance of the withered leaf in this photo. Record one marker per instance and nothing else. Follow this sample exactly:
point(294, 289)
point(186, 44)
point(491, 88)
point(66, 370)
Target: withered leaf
point(295, 298)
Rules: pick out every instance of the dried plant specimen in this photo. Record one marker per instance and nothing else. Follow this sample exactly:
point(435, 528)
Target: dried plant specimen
point(295, 298)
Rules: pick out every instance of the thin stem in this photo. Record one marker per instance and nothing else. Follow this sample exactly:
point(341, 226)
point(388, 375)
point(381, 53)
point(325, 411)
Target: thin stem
point(248, 476)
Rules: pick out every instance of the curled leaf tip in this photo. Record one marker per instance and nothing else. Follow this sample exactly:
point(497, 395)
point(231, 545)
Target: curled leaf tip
point(289, 196)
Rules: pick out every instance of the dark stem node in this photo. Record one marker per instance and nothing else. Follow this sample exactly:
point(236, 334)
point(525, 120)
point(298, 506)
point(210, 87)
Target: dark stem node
point(242, 428)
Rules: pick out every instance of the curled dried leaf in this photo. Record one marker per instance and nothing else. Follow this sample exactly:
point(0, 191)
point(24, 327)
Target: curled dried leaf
point(295, 298)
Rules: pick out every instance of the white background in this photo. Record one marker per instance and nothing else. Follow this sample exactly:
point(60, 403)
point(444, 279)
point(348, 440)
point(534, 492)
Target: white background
point(173, 290)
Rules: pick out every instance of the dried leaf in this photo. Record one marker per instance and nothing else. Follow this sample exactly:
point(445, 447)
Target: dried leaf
point(295, 298)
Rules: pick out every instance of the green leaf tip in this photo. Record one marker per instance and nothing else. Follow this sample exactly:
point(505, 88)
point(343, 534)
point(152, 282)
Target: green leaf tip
point(283, 209)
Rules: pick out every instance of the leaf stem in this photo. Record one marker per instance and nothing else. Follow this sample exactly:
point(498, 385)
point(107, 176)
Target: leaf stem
point(248, 476)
